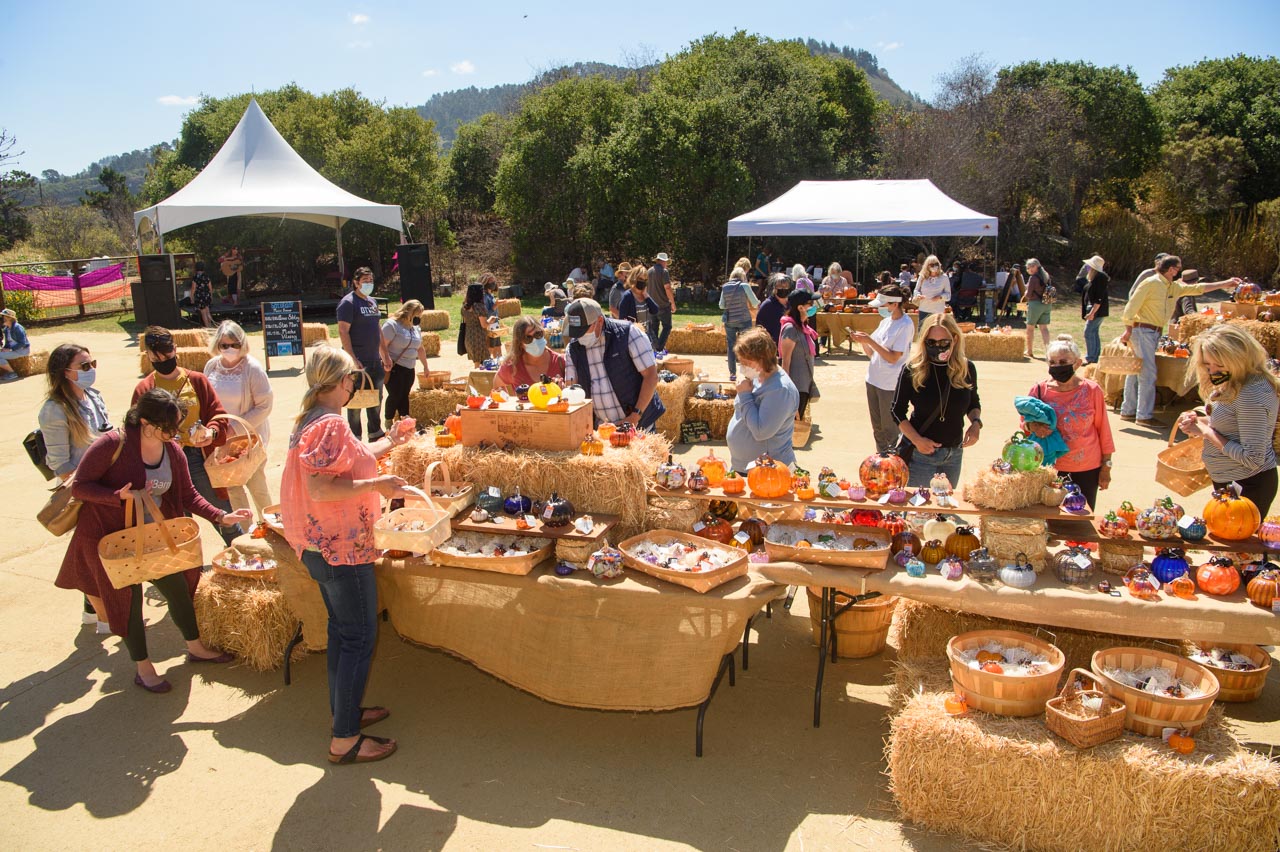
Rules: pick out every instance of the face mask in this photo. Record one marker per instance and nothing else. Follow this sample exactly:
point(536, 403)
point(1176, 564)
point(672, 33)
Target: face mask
point(813, 310)
point(367, 288)
point(1061, 372)
point(85, 378)
point(417, 320)
point(939, 351)
point(885, 312)
point(751, 373)
point(592, 339)
point(167, 366)
point(536, 347)
point(1217, 379)
point(781, 295)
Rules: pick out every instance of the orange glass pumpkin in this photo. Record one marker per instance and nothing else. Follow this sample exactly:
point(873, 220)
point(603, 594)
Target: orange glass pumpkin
point(1129, 513)
point(445, 438)
point(882, 472)
point(1218, 576)
point(769, 478)
point(622, 435)
point(454, 424)
point(475, 401)
point(1263, 588)
point(713, 468)
point(805, 492)
point(955, 705)
point(591, 445)
point(605, 431)
point(961, 542)
point(733, 484)
point(1182, 742)
point(559, 405)
point(1231, 517)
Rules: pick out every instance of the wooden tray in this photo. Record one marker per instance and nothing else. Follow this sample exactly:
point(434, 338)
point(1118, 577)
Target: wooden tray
point(497, 564)
point(701, 583)
point(876, 560)
point(507, 526)
point(528, 429)
point(274, 527)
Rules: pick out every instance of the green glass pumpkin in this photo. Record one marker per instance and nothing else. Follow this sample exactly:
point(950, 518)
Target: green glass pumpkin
point(490, 502)
point(1022, 453)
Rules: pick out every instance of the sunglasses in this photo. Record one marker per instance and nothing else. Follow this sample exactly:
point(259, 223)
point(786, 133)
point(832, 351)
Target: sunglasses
point(226, 346)
point(537, 335)
point(86, 366)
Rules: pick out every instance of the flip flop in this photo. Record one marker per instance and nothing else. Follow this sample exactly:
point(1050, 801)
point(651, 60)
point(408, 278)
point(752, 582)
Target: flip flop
point(354, 756)
point(379, 713)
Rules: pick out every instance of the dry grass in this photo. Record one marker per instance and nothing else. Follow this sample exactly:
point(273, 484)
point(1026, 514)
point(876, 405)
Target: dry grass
point(995, 347)
point(248, 617)
point(1007, 491)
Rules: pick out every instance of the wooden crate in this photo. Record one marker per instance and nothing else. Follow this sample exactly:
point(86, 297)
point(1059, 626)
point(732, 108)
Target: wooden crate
point(528, 429)
point(1239, 310)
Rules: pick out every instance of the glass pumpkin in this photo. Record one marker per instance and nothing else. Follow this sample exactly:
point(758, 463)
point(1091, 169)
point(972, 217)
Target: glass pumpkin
point(933, 552)
point(769, 478)
point(1113, 526)
point(1263, 588)
point(1182, 587)
point(1074, 566)
point(832, 490)
point(574, 394)
point(940, 484)
point(1218, 576)
point(517, 504)
point(914, 568)
point(1075, 502)
point(858, 493)
point(606, 563)
point(826, 474)
point(894, 523)
point(698, 481)
point(951, 567)
point(940, 527)
point(1022, 453)
point(591, 445)
point(1053, 493)
point(1269, 532)
point(490, 499)
point(555, 511)
point(716, 529)
point(1167, 503)
point(522, 394)
point(1157, 523)
point(1248, 293)
point(1141, 583)
point(454, 424)
point(605, 431)
point(727, 509)
point(1129, 513)
point(1192, 529)
point(621, 435)
point(881, 472)
point(982, 565)
point(541, 394)
point(670, 474)
point(755, 530)
point(1170, 562)
point(733, 484)
point(1253, 567)
point(713, 468)
point(961, 542)
point(1230, 516)
point(905, 555)
point(799, 478)
point(1019, 574)
point(867, 517)
point(905, 539)
point(897, 496)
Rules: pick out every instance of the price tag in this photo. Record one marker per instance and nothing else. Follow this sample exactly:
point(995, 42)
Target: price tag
point(1082, 561)
point(1275, 606)
point(741, 538)
point(1185, 522)
point(884, 500)
point(494, 492)
point(919, 499)
point(699, 527)
point(530, 520)
point(547, 513)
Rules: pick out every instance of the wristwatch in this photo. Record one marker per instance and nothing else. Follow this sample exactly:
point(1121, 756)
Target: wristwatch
point(977, 420)
point(1107, 463)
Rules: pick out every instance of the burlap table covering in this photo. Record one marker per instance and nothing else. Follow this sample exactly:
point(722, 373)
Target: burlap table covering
point(1053, 604)
point(1171, 373)
point(635, 643)
point(301, 593)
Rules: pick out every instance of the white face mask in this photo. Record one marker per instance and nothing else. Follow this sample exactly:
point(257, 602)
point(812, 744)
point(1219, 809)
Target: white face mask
point(536, 347)
point(86, 378)
point(752, 373)
point(367, 288)
point(592, 339)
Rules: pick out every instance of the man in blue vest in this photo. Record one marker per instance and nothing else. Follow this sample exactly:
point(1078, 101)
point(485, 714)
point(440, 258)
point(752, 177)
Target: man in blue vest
point(613, 361)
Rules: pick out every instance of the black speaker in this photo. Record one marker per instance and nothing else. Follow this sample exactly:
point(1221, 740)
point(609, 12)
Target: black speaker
point(415, 274)
point(155, 298)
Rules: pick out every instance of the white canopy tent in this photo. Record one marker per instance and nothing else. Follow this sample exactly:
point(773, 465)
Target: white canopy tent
point(257, 173)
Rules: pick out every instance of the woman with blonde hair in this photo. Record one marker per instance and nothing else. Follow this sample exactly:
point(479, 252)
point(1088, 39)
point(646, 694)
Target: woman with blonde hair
point(330, 493)
point(530, 357)
point(933, 289)
point(1241, 397)
point(404, 351)
point(936, 391)
point(245, 391)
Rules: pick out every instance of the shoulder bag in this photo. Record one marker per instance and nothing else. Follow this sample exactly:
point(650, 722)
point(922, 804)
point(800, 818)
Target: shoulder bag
point(907, 450)
point(60, 514)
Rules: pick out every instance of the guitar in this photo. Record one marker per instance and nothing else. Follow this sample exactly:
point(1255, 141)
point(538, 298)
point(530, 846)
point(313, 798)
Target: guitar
point(231, 266)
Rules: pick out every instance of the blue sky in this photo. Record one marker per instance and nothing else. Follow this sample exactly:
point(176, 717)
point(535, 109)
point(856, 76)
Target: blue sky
point(147, 66)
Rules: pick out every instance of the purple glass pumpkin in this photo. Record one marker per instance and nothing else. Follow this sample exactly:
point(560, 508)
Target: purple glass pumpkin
point(1075, 501)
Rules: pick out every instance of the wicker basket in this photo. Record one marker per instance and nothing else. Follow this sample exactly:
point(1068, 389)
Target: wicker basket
point(434, 379)
point(1118, 360)
point(1149, 714)
point(1000, 694)
point(252, 455)
point(677, 365)
point(435, 531)
point(267, 519)
point(862, 630)
point(576, 552)
point(875, 559)
point(454, 504)
point(967, 327)
point(1180, 467)
point(149, 551)
point(701, 583)
point(219, 565)
point(1066, 718)
point(366, 395)
point(498, 564)
point(1237, 687)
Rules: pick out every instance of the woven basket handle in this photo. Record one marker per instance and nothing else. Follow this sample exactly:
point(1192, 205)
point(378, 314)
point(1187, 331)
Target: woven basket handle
point(150, 502)
point(367, 384)
point(430, 504)
point(244, 424)
point(431, 469)
point(1069, 686)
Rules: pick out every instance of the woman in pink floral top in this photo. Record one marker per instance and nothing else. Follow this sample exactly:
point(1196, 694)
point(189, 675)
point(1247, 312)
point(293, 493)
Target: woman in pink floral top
point(330, 499)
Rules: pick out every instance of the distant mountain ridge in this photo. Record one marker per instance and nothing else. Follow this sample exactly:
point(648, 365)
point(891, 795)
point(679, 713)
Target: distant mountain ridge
point(61, 190)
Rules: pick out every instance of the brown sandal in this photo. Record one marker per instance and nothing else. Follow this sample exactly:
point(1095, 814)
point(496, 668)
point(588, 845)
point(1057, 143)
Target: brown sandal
point(354, 756)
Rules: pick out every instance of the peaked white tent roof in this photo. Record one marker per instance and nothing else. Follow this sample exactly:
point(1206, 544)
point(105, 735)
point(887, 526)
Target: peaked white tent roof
point(864, 208)
point(257, 173)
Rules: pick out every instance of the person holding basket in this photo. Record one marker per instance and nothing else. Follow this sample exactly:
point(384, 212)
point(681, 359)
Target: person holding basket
point(244, 390)
point(143, 463)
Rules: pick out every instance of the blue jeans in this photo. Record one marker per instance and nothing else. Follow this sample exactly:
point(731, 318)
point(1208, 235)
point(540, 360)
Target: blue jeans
point(942, 460)
point(731, 333)
point(663, 326)
point(374, 414)
point(1140, 390)
point(351, 595)
point(1093, 340)
point(200, 479)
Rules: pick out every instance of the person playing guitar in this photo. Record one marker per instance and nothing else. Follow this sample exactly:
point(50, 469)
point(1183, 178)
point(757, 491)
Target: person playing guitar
point(231, 264)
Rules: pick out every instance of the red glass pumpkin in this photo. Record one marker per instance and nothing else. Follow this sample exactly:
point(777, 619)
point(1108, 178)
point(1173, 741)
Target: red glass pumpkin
point(622, 435)
point(1218, 576)
point(866, 517)
point(881, 472)
point(1231, 517)
point(894, 523)
point(716, 529)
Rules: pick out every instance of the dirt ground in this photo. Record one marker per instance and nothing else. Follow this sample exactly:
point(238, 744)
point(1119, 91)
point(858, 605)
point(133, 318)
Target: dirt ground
point(231, 759)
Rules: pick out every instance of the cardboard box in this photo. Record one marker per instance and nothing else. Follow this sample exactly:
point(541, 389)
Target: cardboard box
point(530, 428)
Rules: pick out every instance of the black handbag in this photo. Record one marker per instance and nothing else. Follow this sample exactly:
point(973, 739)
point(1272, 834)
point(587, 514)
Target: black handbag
point(462, 338)
point(38, 452)
point(907, 450)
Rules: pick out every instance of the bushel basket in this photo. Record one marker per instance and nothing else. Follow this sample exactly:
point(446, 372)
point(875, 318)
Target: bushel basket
point(366, 395)
point(1180, 468)
point(463, 493)
point(149, 551)
point(238, 459)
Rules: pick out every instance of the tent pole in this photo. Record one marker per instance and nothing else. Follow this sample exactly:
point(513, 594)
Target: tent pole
point(342, 268)
point(726, 254)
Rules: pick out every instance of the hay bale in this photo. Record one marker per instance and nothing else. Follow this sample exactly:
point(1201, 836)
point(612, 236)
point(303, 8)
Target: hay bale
point(508, 308)
point(1010, 783)
point(433, 406)
point(678, 515)
point(994, 347)
point(1007, 491)
point(185, 337)
point(1266, 333)
point(691, 342)
point(1007, 537)
point(431, 344)
point(30, 365)
point(313, 333)
point(616, 483)
point(434, 321)
point(248, 617)
point(193, 358)
point(1117, 557)
point(717, 413)
point(673, 396)
point(301, 592)
point(1192, 325)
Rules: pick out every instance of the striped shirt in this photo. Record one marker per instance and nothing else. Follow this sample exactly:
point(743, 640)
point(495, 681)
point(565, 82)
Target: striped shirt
point(603, 400)
point(1246, 424)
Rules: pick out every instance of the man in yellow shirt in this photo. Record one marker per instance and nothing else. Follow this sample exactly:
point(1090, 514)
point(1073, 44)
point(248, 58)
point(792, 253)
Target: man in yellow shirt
point(1145, 316)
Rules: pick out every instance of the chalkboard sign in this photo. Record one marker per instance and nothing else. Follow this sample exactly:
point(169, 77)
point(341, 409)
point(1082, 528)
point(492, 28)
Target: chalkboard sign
point(695, 432)
point(282, 330)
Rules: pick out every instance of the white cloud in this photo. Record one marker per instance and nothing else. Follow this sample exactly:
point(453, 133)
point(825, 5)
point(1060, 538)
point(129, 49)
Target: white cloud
point(359, 18)
point(466, 66)
point(430, 72)
point(888, 46)
point(178, 100)
point(361, 44)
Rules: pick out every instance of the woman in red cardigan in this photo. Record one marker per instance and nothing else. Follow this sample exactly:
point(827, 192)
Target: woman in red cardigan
point(148, 458)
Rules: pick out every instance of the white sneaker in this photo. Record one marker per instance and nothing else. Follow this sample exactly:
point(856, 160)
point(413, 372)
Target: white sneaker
point(88, 618)
point(103, 627)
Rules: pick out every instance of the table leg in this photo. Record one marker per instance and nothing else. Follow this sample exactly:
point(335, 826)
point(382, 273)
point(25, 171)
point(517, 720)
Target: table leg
point(790, 598)
point(288, 653)
point(746, 643)
point(726, 663)
point(822, 656)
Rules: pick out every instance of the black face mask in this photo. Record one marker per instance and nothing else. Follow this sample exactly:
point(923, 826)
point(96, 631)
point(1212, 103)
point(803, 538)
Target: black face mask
point(1061, 372)
point(417, 320)
point(1217, 379)
point(937, 350)
point(781, 295)
point(167, 366)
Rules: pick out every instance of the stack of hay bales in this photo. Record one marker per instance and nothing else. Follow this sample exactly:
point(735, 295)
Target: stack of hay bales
point(433, 406)
point(673, 396)
point(716, 412)
point(434, 321)
point(993, 346)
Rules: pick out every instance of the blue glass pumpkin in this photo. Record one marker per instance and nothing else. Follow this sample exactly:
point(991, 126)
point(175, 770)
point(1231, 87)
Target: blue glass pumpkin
point(1193, 530)
point(1169, 564)
point(517, 504)
point(1075, 501)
